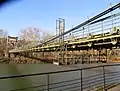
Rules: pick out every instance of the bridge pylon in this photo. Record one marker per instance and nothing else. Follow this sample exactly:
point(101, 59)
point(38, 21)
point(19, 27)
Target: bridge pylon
point(61, 51)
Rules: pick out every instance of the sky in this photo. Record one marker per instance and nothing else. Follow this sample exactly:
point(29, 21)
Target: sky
point(42, 14)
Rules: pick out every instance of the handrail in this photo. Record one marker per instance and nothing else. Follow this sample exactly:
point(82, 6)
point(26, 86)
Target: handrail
point(80, 82)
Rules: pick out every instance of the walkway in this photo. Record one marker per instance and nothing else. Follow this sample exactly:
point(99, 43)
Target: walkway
point(116, 88)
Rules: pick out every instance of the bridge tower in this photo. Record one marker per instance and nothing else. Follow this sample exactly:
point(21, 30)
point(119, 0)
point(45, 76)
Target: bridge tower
point(61, 50)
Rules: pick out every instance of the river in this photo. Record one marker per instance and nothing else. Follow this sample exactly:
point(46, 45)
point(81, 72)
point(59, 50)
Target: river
point(17, 69)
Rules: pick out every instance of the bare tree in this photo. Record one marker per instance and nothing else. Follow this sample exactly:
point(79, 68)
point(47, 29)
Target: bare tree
point(29, 37)
point(47, 36)
point(33, 37)
point(30, 34)
point(3, 41)
point(3, 33)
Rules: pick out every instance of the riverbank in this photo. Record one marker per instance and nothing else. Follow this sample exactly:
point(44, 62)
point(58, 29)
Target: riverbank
point(4, 60)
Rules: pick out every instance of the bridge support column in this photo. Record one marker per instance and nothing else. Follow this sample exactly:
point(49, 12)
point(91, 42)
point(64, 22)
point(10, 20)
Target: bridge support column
point(66, 55)
point(82, 56)
point(43, 54)
point(93, 60)
point(109, 55)
point(88, 52)
point(99, 54)
point(9, 55)
point(89, 55)
point(106, 55)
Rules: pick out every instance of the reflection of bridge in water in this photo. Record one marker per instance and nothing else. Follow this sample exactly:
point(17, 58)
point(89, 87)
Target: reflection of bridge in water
point(95, 40)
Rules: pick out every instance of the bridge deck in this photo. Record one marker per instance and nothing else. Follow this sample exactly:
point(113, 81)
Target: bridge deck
point(112, 39)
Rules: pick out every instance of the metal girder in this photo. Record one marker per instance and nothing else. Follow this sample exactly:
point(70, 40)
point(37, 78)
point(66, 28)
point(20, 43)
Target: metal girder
point(73, 43)
point(88, 21)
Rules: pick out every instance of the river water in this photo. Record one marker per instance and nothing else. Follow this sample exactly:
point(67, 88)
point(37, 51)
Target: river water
point(18, 69)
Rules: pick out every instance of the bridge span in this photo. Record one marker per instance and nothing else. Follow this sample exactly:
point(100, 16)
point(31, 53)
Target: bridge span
point(95, 40)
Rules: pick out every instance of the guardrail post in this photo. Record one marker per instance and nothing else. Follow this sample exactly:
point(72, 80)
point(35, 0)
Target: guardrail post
point(82, 58)
point(48, 82)
point(104, 78)
point(81, 81)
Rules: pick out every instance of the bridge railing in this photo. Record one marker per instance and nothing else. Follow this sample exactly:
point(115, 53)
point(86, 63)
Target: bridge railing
point(100, 77)
point(100, 26)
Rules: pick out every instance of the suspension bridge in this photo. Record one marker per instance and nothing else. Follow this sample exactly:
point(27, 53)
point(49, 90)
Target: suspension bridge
point(95, 40)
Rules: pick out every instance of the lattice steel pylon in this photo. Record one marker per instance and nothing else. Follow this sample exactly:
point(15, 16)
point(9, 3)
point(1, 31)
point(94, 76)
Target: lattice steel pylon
point(61, 50)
